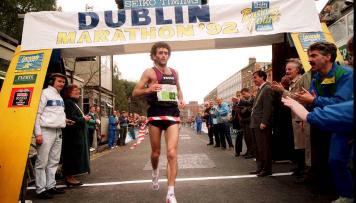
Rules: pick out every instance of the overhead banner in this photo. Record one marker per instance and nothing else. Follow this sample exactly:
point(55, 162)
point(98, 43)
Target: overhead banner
point(48, 30)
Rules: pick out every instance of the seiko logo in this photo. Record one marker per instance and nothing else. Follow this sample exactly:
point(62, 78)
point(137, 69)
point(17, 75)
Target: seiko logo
point(168, 78)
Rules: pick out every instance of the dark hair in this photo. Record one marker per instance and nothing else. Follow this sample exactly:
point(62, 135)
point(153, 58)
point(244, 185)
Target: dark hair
point(297, 62)
point(157, 45)
point(245, 89)
point(68, 90)
point(261, 74)
point(325, 48)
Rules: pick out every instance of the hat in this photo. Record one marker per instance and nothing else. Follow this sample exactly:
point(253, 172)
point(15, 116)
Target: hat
point(57, 75)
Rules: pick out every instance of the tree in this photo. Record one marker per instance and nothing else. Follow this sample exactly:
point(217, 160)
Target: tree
point(123, 91)
point(10, 23)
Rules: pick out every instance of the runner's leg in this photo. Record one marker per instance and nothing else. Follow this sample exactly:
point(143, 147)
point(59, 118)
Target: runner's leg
point(155, 139)
point(172, 135)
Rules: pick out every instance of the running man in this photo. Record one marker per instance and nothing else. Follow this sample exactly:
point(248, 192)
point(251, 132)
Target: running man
point(160, 84)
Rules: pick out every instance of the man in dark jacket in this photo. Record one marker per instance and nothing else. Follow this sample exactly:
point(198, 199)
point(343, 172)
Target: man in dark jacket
point(245, 105)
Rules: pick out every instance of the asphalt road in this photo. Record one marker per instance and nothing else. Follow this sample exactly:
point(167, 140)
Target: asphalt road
point(206, 174)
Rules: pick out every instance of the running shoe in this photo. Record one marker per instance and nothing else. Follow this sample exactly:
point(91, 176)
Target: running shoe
point(171, 199)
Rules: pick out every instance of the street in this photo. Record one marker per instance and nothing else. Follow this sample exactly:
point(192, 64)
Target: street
point(206, 174)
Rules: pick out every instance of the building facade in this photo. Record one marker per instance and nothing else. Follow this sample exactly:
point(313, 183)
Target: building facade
point(342, 27)
point(190, 111)
point(7, 50)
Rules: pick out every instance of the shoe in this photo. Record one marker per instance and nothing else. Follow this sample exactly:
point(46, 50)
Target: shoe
point(255, 172)
point(249, 156)
point(92, 149)
point(210, 144)
point(44, 195)
point(238, 154)
point(70, 184)
point(264, 174)
point(343, 200)
point(171, 199)
point(216, 146)
point(223, 148)
point(55, 191)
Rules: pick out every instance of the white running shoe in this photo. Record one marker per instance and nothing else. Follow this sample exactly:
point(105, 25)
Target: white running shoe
point(171, 199)
point(155, 184)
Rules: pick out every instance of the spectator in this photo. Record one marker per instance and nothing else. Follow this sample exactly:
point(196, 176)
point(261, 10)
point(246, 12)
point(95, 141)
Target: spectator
point(261, 118)
point(75, 139)
point(223, 119)
point(209, 122)
point(301, 130)
point(91, 127)
point(337, 118)
point(112, 130)
point(98, 123)
point(199, 122)
point(245, 104)
point(49, 121)
point(123, 122)
point(331, 84)
point(235, 120)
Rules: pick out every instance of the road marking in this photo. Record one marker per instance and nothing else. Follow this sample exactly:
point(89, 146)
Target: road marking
point(178, 180)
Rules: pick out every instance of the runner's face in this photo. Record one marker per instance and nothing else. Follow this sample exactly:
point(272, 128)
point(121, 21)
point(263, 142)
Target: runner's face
point(161, 56)
point(317, 60)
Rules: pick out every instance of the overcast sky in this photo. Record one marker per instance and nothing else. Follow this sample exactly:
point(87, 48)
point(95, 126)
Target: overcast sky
point(200, 71)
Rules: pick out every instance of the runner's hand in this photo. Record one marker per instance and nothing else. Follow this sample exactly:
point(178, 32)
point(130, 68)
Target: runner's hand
point(181, 104)
point(155, 87)
point(39, 139)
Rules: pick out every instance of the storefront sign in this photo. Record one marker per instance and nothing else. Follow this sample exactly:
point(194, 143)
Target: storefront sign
point(29, 62)
point(25, 79)
point(20, 97)
point(43, 30)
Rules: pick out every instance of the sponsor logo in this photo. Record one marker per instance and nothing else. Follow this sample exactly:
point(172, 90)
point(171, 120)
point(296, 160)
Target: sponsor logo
point(25, 79)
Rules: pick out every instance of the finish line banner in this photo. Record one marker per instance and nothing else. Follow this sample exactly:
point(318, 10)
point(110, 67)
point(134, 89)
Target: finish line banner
point(49, 30)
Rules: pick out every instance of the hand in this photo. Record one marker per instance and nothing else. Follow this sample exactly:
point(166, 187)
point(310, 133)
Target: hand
point(181, 104)
point(296, 107)
point(39, 139)
point(86, 118)
point(304, 97)
point(277, 86)
point(155, 87)
point(262, 126)
point(70, 122)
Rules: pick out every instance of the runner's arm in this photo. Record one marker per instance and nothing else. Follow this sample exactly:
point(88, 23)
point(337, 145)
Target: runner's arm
point(140, 88)
point(179, 90)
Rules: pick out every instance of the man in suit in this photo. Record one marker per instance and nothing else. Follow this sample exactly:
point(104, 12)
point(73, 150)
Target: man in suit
point(261, 118)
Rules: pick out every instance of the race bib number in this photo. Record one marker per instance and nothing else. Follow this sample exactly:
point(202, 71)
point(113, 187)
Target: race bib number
point(215, 121)
point(168, 93)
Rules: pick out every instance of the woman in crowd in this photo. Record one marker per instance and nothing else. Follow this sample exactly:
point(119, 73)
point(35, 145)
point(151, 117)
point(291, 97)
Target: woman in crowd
point(75, 150)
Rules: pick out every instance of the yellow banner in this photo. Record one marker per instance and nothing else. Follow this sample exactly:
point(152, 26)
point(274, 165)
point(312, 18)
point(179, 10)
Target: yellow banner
point(19, 99)
point(303, 40)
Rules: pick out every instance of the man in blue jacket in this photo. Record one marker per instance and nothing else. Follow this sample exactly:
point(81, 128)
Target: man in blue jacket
point(332, 84)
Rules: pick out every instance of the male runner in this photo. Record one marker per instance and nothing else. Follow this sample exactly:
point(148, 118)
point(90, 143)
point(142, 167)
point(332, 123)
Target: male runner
point(161, 86)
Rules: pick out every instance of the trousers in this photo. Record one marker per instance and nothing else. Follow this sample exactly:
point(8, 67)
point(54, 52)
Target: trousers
point(48, 155)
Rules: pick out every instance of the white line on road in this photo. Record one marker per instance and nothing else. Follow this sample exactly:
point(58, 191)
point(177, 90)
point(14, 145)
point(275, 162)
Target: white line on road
point(178, 180)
